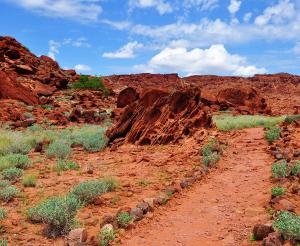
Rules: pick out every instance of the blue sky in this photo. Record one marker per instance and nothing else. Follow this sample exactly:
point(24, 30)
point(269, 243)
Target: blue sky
point(103, 37)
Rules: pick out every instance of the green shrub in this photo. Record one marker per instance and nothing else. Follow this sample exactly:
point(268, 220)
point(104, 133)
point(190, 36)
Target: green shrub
point(3, 242)
point(288, 224)
point(295, 170)
point(3, 214)
point(4, 163)
point(124, 219)
point(8, 193)
point(280, 169)
point(12, 173)
point(277, 191)
point(19, 160)
point(107, 235)
point(88, 191)
point(62, 165)
point(58, 213)
point(85, 81)
point(4, 183)
point(29, 181)
point(292, 118)
point(210, 154)
point(59, 149)
point(71, 165)
point(273, 134)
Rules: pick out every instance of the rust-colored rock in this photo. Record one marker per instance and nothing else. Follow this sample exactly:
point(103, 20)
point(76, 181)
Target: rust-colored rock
point(126, 97)
point(160, 117)
point(24, 76)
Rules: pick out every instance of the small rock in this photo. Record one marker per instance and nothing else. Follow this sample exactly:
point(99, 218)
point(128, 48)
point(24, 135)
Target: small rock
point(151, 202)
point(284, 204)
point(295, 189)
point(144, 206)
point(89, 170)
point(279, 156)
point(137, 214)
point(184, 184)
point(273, 239)
point(261, 231)
point(107, 219)
point(77, 236)
point(297, 153)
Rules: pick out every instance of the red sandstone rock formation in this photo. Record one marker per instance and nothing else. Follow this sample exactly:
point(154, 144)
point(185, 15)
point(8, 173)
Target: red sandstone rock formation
point(161, 117)
point(25, 77)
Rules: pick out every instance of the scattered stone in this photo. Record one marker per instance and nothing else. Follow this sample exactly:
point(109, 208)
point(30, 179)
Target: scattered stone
point(151, 202)
point(108, 219)
point(295, 189)
point(77, 236)
point(297, 153)
point(185, 184)
point(144, 206)
point(279, 156)
point(273, 239)
point(137, 214)
point(261, 231)
point(284, 204)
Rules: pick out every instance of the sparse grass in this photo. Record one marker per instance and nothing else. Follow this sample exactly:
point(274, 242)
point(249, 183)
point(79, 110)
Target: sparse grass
point(12, 174)
point(252, 238)
point(289, 225)
point(86, 82)
point(295, 169)
point(88, 191)
point(29, 181)
point(3, 214)
point(9, 192)
point(59, 149)
point(280, 169)
point(277, 191)
point(226, 122)
point(19, 160)
point(58, 213)
point(210, 153)
point(62, 165)
point(291, 118)
point(3, 242)
point(273, 134)
point(123, 219)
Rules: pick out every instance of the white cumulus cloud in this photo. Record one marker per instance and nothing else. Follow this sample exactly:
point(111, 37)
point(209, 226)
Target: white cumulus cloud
point(202, 4)
point(214, 60)
point(82, 68)
point(234, 6)
point(84, 10)
point(125, 52)
point(161, 6)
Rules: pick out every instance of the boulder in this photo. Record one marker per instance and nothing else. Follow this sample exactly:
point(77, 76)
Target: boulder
point(77, 236)
point(273, 239)
point(261, 231)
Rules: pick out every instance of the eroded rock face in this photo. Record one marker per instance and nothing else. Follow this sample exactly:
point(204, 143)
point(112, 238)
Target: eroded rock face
point(126, 97)
point(25, 77)
point(161, 117)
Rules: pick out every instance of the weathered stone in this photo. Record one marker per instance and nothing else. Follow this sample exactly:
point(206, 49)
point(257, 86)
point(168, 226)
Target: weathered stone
point(284, 204)
point(261, 231)
point(273, 239)
point(77, 236)
point(137, 214)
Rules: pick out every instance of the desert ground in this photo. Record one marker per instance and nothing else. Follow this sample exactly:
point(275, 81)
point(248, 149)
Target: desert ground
point(146, 159)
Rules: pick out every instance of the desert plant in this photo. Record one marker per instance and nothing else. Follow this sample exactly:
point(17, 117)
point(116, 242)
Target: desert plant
point(295, 170)
point(59, 149)
point(3, 214)
point(29, 181)
point(273, 134)
point(12, 173)
point(8, 193)
point(291, 118)
point(85, 81)
point(280, 169)
point(4, 163)
point(210, 153)
point(88, 191)
point(123, 219)
point(3, 242)
point(4, 183)
point(71, 165)
point(107, 235)
point(288, 224)
point(277, 191)
point(19, 160)
point(58, 213)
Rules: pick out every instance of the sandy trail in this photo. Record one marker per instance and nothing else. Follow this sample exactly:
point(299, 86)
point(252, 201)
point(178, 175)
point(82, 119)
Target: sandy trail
point(224, 209)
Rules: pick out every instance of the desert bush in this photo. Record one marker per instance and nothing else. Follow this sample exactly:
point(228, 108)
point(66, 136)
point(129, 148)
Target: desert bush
point(288, 224)
point(4, 163)
point(4, 183)
point(273, 134)
point(62, 165)
point(226, 122)
point(291, 118)
point(280, 169)
point(3, 242)
point(88, 191)
point(210, 154)
point(12, 173)
point(8, 193)
point(295, 169)
point(19, 160)
point(85, 81)
point(29, 181)
point(123, 219)
point(107, 235)
point(3, 214)
point(59, 149)
point(277, 191)
point(58, 213)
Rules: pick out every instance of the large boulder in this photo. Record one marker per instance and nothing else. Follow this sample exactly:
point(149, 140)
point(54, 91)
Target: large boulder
point(26, 77)
point(161, 117)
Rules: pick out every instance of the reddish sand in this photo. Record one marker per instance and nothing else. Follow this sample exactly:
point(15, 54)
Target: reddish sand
point(224, 208)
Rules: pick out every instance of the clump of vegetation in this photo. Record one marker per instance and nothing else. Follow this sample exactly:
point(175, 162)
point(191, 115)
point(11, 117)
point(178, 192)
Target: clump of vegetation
point(280, 169)
point(12, 174)
point(123, 219)
point(107, 235)
point(59, 149)
point(295, 169)
point(278, 191)
point(288, 224)
point(28, 115)
point(29, 181)
point(3, 242)
point(226, 122)
point(19, 160)
point(3, 214)
point(86, 82)
point(62, 165)
point(58, 213)
point(210, 153)
point(88, 191)
point(7, 193)
point(273, 134)
point(292, 118)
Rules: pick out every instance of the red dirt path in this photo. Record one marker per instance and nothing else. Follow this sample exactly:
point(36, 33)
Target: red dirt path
point(224, 208)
